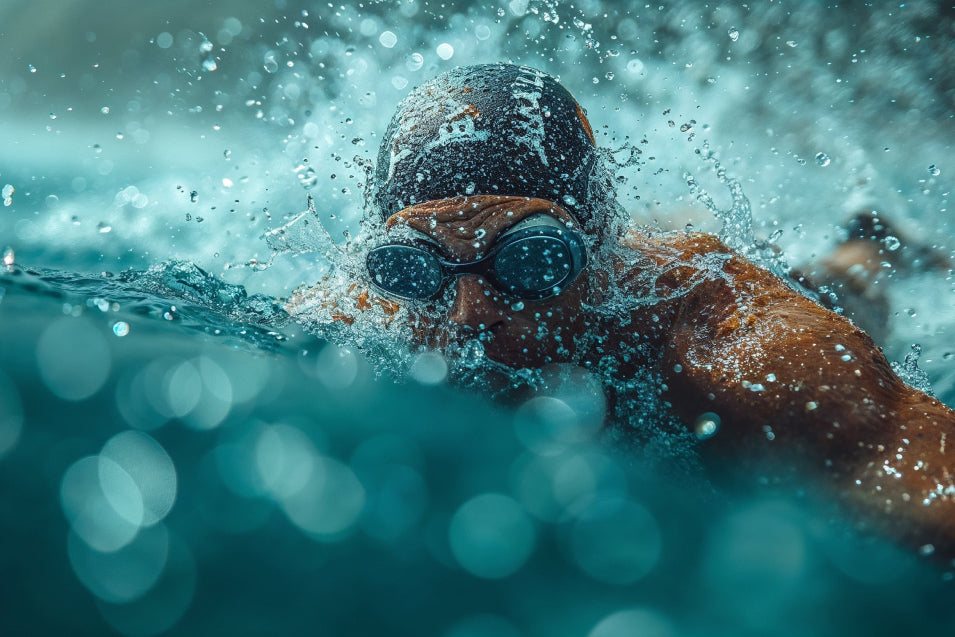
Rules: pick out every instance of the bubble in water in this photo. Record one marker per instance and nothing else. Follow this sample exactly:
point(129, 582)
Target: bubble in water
point(209, 65)
point(306, 177)
point(164, 40)
point(635, 66)
point(482, 32)
point(733, 33)
point(934, 170)
point(706, 425)
point(7, 193)
point(822, 159)
point(891, 243)
point(414, 62)
point(445, 51)
point(9, 257)
point(270, 63)
point(121, 328)
point(388, 39)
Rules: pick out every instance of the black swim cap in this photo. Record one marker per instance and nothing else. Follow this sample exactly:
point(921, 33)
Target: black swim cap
point(486, 130)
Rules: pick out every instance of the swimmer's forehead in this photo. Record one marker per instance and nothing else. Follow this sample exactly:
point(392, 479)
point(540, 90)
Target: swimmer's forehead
point(475, 220)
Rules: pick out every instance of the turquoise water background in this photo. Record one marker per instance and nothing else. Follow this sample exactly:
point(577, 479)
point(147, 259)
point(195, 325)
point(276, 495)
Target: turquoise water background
point(177, 456)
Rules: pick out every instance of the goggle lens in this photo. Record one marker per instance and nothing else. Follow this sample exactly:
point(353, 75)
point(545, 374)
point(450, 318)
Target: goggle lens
point(407, 272)
point(532, 266)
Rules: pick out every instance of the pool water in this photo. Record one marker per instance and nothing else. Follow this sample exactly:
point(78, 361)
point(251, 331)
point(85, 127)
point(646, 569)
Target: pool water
point(179, 456)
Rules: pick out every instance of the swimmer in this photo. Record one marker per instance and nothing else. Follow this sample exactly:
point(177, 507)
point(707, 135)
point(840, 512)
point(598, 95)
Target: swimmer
point(494, 228)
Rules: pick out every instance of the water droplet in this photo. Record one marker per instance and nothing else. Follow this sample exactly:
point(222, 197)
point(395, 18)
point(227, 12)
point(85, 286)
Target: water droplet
point(388, 39)
point(634, 66)
point(445, 51)
point(733, 33)
point(414, 62)
point(822, 159)
point(270, 64)
point(934, 170)
point(706, 425)
point(306, 177)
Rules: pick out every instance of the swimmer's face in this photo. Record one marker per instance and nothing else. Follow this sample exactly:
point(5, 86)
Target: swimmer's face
point(515, 332)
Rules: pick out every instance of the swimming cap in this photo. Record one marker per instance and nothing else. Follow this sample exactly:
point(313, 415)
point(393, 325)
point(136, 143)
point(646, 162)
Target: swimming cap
point(490, 129)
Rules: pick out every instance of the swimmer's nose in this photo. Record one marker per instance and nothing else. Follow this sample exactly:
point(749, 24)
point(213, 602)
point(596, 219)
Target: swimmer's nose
point(475, 303)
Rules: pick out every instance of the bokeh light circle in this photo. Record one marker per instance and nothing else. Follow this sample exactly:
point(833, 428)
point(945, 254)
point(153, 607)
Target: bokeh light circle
point(150, 467)
point(491, 536)
point(616, 541)
point(102, 503)
point(73, 358)
point(11, 415)
point(126, 574)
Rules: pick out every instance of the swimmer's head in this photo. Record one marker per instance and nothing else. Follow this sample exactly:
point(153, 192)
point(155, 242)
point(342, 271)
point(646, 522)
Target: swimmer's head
point(491, 129)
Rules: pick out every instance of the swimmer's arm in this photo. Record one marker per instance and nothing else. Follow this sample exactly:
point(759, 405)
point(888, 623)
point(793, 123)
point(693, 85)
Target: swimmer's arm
point(797, 385)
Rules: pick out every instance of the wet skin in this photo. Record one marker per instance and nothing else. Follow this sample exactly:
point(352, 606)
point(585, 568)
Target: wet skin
point(518, 333)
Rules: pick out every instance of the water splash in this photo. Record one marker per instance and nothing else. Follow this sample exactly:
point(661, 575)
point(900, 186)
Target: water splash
point(910, 372)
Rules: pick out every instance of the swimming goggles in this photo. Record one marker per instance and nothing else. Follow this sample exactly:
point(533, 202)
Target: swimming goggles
point(529, 263)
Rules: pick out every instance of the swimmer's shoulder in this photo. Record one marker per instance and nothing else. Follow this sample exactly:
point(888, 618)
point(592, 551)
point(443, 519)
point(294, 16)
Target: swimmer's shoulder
point(673, 245)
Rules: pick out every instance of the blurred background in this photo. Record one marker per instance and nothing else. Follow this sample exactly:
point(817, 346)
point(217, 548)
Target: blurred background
point(176, 457)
